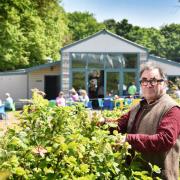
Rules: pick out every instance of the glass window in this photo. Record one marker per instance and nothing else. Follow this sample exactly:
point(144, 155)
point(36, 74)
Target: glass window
point(112, 84)
point(96, 61)
point(113, 60)
point(79, 60)
point(129, 77)
point(130, 60)
point(78, 80)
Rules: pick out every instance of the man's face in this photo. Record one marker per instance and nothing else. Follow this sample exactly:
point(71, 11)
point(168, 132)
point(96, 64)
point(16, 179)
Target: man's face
point(153, 89)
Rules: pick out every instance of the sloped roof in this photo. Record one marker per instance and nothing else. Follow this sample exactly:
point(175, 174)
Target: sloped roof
point(104, 31)
point(164, 60)
point(27, 70)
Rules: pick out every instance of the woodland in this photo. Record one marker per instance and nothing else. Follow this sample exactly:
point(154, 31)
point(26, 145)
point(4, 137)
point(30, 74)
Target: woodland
point(33, 31)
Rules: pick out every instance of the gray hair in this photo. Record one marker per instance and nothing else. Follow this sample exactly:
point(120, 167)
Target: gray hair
point(152, 66)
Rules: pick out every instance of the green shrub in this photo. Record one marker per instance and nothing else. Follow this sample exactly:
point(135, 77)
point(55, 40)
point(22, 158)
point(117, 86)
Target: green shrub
point(64, 143)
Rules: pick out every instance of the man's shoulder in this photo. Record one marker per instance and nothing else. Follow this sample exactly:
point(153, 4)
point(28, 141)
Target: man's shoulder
point(169, 101)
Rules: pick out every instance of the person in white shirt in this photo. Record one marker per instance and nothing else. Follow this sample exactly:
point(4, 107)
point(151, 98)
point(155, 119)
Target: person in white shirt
point(84, 97)
point(8, 102)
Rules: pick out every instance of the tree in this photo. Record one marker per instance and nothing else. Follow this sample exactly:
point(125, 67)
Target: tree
point(110, 24)
point(83, 24)
point(172, 35)
point(30, 31)
point(164, 42)
point(149, 38)
point(123, 28)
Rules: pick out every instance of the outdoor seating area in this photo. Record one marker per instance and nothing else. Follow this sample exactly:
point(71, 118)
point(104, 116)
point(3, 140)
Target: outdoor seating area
point(103, 103)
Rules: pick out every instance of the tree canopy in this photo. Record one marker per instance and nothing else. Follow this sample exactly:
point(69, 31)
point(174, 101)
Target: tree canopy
point(164, 42)
point(31, 31)
point(83, 24)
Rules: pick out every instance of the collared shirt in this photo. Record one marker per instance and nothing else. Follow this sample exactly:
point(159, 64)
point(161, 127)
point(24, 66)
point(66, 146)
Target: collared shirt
point(165, 137)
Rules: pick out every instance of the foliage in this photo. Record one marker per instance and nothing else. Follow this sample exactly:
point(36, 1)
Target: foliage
point(82, 25)
point(64, 143)
point(164, 42)
point(172, 35)
point(123, 28)
point(33, 31)
point(149, 38)
point(30, 32)
point(110, 24)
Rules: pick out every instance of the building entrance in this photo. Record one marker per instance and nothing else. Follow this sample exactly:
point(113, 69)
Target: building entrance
point(95, 86)
point(52, 86)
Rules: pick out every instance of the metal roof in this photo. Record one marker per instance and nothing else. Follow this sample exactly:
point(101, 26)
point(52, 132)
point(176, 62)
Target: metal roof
point(164, 60)
point(27, 70)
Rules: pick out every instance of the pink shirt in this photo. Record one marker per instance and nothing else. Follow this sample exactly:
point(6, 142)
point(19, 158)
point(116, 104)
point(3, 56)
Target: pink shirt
point(75, 97)
point(60, 101)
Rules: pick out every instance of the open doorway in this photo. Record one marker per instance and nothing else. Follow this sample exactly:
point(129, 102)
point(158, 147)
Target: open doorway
point(52, 86)
point(95, 86)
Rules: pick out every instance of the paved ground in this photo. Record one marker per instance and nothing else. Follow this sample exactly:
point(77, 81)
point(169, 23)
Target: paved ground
point(9, 121)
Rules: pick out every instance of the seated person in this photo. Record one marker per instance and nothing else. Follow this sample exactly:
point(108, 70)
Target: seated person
point(84, 97)
point(74, 95)
point(109, 96)
point(60, 101)
point(116, 97)
point(9, 102)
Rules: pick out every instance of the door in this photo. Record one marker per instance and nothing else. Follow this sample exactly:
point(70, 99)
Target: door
point(52, 87)
point(95, 86)
point(96, 83)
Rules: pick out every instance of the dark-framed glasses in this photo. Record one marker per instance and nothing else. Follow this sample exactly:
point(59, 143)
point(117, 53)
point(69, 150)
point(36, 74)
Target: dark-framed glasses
point(152, 82)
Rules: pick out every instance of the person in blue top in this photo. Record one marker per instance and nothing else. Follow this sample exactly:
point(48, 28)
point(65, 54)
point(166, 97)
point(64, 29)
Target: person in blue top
point(9, 104)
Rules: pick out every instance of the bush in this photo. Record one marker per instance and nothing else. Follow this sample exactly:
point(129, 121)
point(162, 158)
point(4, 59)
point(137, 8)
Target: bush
point(64, 143)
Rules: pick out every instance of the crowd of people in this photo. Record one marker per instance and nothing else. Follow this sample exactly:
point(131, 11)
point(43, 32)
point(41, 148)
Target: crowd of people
point(75, 96)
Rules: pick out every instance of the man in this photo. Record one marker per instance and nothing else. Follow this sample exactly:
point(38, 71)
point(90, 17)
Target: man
point(153, 126)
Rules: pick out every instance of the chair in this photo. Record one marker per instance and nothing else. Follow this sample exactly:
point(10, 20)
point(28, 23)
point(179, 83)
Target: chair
point(2, 112)
point(108, 104)
point(52, 103)
point(119, 103)
point(89, 104)
point(127, 101)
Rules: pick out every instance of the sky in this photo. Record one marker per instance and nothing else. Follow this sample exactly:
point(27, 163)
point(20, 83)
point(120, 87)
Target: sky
point(143, 13)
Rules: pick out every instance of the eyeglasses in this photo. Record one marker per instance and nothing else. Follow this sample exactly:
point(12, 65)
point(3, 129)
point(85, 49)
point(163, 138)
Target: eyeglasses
point(152, 82)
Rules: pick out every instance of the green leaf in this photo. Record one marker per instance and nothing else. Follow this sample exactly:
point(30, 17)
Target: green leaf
point(20, 171)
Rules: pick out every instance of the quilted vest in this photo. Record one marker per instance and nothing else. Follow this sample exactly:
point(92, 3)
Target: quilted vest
point(150, 117)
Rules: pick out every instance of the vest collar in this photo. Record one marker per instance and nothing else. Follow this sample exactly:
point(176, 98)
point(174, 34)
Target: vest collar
point(145, 105)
